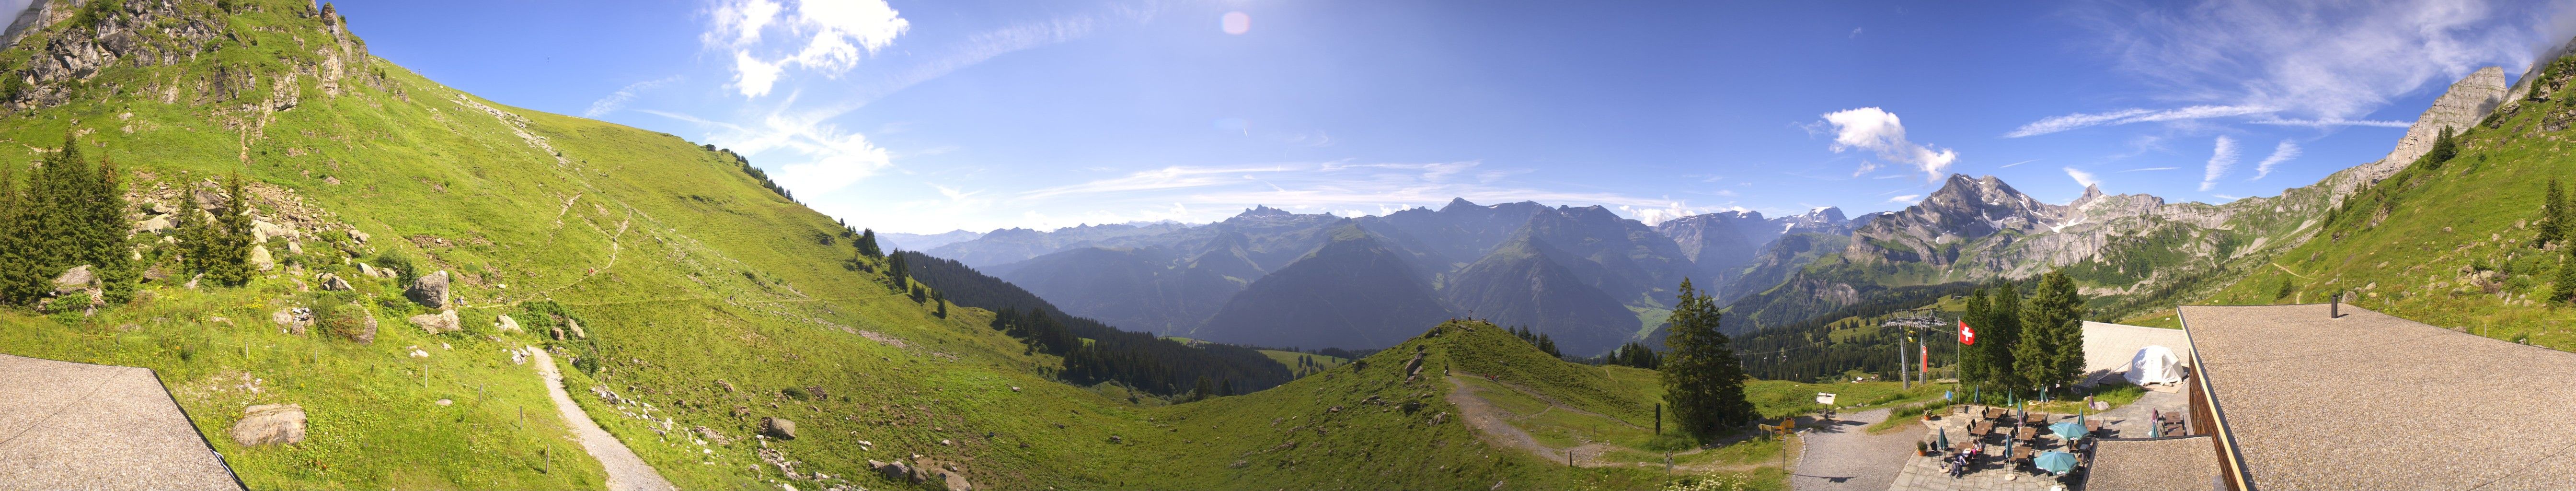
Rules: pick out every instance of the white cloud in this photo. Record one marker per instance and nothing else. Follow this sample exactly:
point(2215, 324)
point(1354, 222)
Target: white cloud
point(831, 36)
point(2222, 157)
point(617, 100)
point(2082, 177)
point(2055, 124)
point(2323, 60)
point(1879, 131)
point(1906, 198)
point(831, 158)
point(2008, 166)
point(1855, 33)
point(1652, 216)
point(2280, 153)
point(2322, 123)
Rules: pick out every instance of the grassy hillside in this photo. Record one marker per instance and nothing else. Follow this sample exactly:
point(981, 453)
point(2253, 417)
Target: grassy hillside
point(2454, 244)
point(708, 302)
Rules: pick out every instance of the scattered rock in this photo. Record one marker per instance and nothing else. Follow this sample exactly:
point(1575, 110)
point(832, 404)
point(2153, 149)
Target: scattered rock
point(76, 279)
point(262, 230)
point(259, 257)
point(507, 324)
point(1116, 439)
point(154, 225)
point(444, 402)
point(293, 319)
point(944, 442)
point(575, 326)
point(269, 423)
point(441, 322)
point(728, 386)
point(779, 428)
point(430, 290)
point(332, 282)
point(293, 247)
point(367, 271)
point(1015, 388)
point(895, 471)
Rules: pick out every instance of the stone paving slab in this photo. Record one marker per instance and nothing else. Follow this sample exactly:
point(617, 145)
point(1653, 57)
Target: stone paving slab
point(96, 427)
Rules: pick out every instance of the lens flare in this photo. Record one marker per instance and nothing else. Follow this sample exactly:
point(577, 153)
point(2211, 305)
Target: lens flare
point(1236, 22)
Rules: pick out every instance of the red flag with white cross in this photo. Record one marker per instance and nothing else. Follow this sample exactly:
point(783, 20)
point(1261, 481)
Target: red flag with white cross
point(1967, 335)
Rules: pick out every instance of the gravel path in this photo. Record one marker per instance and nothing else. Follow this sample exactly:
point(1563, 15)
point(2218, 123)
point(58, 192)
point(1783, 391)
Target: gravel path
point(1843, 455)
point(625, 470)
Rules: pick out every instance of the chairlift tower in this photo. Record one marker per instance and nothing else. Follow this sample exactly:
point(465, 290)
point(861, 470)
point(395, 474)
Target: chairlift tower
point(1911, 320)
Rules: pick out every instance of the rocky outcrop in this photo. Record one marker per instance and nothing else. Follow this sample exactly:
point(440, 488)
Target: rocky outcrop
point(2460, 108)
point(507, 324)
point(79, 278)
point(332, 282)
point(294, 320)
point(269, 424)
point(1964, 209)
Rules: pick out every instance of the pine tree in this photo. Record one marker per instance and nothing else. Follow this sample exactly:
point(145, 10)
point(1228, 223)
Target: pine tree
point(111, 253)
point(227, 240)
point(1702, 379)
point(896, 271)
point(2443, 150)
point(2055, 314)
point(2000, 336)
point(22, 276)
point(1973, 369)
point(2553, 214)
point(56, 197)
point(867, 244)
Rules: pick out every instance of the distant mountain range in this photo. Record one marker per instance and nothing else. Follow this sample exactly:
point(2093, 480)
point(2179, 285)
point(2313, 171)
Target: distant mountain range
point(915, 242)
point(1592, 279)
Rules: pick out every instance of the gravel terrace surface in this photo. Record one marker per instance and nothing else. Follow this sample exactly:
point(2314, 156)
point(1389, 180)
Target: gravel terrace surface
point(625, 471)
point(1843, 456)
point(70, 425)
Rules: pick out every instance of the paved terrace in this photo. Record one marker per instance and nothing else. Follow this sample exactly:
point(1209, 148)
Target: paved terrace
point(2187, 463)
point(80, 426)
point(2369, 401)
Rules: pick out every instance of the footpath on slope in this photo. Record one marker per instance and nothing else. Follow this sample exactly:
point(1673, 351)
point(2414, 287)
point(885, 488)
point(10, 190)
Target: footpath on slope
point(1843, 456)
point(67, 425)
point(625, 470)
point(1493, 424)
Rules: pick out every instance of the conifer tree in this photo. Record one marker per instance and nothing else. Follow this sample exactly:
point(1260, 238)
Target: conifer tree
point(227, 242)
point(2055, 316)
point(1703, 381)
point(112, 249)
point(22, 276)
point(2564, 289)
point(2443, 149)
point(2553, 214)
point(2000, 335)
point(896, 272)
point(1973, 369)
point(867, 244)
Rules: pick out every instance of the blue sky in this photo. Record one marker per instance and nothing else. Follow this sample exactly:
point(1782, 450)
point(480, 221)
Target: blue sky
point(929, 116)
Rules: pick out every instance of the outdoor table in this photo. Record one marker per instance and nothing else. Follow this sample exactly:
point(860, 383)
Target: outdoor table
point(2092, 426)
point(2022, 454)
point(2026, 434)
point(1981, 428)
point(2034, 418)
point(1995, 413)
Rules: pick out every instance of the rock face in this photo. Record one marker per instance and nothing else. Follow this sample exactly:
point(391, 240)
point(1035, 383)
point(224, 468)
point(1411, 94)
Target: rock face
point(430, 290)
point(1722, 244)
point(442, 322)
point(779, 428)
point(2468, 100)
point(1964, 209)
point(270, 423)
point(363, 327)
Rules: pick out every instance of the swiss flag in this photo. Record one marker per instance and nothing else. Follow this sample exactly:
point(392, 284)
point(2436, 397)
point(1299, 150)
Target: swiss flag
point(1967, 335)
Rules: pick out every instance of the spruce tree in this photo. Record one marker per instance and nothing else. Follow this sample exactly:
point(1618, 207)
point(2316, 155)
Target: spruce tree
point(1703, 381)
point(2553, 213)
point(22, 276)
point(228, 242)
point(112, 249)
point(2564, 289)
point(896, 271)
point(2443, 149)
point(867, 244)
point(1973, 369)
point(57, 197)
point(2055, 312)
point(2000, 336)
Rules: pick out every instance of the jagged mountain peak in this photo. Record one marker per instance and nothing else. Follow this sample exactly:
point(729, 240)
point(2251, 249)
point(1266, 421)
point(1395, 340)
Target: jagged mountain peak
point(1263, 211)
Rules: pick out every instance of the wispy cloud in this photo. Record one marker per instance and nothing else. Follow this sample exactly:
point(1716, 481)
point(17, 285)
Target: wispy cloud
point(1211, 192)
point(2326, 123)
point(1904, 198)
point(2221, 157)
point(2008, 166)
point(2081, 177)
point(1879, 131)
point(2055, 124)
point(617, 100)
point(2321, 60)
point(2280, 153)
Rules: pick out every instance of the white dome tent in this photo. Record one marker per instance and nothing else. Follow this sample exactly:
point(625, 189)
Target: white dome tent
point(2155, 364)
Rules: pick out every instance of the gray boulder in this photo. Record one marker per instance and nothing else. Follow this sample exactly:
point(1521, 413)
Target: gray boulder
point(575, 325)
point(269, 423)
point(779, 428)
point(444, 321)
point(295, 320)
point(430, 290)
point(507, 324)
point(76, 279)
point(332, 282)
point(260, 258)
